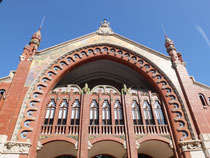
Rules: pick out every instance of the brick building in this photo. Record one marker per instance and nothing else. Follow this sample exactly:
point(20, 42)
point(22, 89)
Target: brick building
point(102, 96)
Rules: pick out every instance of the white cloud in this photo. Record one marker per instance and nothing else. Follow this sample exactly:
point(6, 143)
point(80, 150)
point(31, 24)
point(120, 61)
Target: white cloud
point(200, 30)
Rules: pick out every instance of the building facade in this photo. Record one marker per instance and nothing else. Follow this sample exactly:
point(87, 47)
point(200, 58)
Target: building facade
point(102, 96)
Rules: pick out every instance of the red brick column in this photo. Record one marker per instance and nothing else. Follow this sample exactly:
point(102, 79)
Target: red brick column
point(84, 123)
point(15, 95)
point(129, 127)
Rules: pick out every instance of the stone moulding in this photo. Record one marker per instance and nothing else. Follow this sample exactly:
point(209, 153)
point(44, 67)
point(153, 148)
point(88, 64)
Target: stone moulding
point(190, 145)
point(12, 147)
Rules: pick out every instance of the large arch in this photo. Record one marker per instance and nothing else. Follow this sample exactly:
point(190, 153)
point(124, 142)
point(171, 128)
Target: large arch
point(57, 148)
point(107, 147)
point(58, 138)
point(48, 78)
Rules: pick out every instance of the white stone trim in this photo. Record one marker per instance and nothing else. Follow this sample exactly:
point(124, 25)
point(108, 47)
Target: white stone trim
point(13, 147)
point(190, 145)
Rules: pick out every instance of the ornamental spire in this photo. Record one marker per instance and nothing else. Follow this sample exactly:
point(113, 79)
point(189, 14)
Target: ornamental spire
point(169, 44)
point(175, 56)
point(36, 38)
point(104, 28)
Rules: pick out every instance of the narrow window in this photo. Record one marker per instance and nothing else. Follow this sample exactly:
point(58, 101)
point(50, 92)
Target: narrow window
point(75, 113)
point(106, 118)
point(94, 113)
point(62, 116)
point(50, 112)
point(148, 114)
point(202, 98)
point(159, 114)
point(118, 113)
point(136, 113)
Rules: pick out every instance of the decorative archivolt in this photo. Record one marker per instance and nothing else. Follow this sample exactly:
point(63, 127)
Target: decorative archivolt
point(51, 74)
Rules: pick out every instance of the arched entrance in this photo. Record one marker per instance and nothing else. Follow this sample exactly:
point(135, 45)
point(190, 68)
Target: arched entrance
point(55, 72)
point(107, 149)
point(57, 149)
point(155, 149)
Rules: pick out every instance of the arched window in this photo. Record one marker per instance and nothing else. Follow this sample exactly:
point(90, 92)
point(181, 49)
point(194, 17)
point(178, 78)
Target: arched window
point(106, 117)
point(2, 92)
point(203, 100)
point(118, 113)
point(159, 114)
point(50, 112)
point(75, 113)
point(94, 113)
point(137, 120)
point(148, 114)
point(62, 116)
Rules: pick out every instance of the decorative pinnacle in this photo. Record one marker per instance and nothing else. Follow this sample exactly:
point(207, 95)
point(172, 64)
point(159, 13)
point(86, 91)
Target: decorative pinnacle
point(104, 28)
point(36, 38)
point(169, 44)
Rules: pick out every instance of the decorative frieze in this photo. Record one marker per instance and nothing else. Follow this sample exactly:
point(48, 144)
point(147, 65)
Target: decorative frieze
point(11, 147)
point(190, 145)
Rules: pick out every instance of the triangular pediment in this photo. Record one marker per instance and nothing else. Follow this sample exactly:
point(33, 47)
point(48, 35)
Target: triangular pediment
point(96, 38)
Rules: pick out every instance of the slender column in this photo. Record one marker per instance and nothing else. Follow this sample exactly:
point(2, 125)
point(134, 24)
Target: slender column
point(57, 108)
point(100, 102)
point(84, 123)
point(153, 111)
point(70, 100)
point(112, 112)
point(141, 102)
point(129, 127)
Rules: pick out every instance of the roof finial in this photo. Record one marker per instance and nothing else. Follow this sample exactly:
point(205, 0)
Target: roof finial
point(104, 28)
point(42, 23)
point(164, 31)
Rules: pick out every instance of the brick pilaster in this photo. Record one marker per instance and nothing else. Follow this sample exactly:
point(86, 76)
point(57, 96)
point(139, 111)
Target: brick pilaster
point(129, 127)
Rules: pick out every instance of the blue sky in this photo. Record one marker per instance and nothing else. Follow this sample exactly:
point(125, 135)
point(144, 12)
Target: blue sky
point(187, 23)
